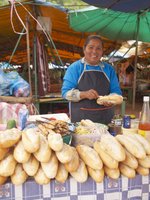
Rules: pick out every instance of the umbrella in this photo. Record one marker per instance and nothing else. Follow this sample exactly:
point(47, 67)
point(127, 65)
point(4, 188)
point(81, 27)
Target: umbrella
point(121, 5)
point(114, 25)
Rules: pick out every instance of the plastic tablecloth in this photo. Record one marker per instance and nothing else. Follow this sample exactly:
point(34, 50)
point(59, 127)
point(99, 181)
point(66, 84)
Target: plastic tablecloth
point(110, 189)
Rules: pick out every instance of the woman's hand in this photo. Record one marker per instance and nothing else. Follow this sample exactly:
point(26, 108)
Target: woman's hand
point(89, 94)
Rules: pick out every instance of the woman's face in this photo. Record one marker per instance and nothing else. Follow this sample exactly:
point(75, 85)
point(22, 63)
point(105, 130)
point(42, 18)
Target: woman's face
point(93, 51)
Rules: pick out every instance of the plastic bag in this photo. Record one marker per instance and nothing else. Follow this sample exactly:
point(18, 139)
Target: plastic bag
point(12, 84)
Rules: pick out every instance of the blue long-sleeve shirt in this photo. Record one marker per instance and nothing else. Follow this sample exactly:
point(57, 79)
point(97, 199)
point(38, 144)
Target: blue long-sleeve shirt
point(74, 71)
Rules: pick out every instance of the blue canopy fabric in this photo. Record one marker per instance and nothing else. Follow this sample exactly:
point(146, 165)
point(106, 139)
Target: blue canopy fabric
point(121, 5)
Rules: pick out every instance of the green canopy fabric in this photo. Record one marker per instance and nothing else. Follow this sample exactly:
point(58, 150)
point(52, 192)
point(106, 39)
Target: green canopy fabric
point(114, 25)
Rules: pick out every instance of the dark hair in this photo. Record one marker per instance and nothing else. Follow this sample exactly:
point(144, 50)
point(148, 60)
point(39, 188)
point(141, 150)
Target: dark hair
point(91, 37)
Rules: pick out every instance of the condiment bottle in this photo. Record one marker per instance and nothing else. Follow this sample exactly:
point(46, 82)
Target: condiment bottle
point(144, 120)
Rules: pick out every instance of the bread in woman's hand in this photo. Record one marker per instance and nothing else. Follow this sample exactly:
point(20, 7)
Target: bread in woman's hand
point(113, 98)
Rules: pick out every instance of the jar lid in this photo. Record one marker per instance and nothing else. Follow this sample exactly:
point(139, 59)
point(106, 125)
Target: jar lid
point(146, 98)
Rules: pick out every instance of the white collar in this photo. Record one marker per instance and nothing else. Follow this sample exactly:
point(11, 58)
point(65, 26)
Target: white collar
point(84, 62)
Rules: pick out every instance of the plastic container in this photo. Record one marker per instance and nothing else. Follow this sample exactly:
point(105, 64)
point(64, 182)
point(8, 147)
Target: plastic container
point(144, 121)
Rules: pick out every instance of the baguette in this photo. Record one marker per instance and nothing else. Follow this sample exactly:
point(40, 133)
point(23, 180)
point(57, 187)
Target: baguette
point(7, 165)
point(89, 156)
point(20, 154)
point(81, 174)
point(19, 176)
point(50, 168)
point(144, 142)
point(106, 158)
point(114, 99)
point(31, 166)
point(130, 161)
point(142, 171)
point(9, 137)
point(3, 152)
point(74, 162)
point(55, 141)
point(112, 147)
point(31, 140)
point(127, 171)
point(62, 174)
point(43, 154)
point(40, 177)
point(145, 162)
point(96, 174)
point(112, 173)
point(66, 154)
point(3, 179)
point(133, 146)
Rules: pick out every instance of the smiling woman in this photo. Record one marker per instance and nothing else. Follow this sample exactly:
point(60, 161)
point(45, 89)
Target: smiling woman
point(87, 79)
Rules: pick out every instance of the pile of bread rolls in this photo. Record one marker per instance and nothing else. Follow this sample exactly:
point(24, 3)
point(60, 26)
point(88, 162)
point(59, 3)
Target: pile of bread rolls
point(29, 153)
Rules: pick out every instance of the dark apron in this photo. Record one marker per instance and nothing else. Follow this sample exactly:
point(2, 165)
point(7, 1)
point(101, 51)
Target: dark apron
point(89, 109)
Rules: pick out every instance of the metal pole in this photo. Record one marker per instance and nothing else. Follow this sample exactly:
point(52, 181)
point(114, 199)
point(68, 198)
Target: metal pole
point(135, 62)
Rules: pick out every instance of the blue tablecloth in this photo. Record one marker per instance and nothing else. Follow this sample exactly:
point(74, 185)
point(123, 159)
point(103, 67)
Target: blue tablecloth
point(120, 189)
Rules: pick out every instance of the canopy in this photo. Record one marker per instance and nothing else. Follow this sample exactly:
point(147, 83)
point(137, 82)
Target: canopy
point(121, 5)
point(114, 25)
point(68, 42)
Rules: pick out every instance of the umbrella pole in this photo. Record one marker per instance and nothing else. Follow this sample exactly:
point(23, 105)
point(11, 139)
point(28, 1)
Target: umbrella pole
point(135, 63)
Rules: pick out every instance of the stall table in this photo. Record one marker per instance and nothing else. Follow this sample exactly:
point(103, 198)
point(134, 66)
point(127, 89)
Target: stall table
point(110, 189)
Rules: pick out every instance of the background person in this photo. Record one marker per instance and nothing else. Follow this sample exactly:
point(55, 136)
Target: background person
point(87, 79)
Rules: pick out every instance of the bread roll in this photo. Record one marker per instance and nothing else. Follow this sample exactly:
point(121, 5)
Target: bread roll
point(127, 171)
point(130, 161)
point(40, 177)
point(50, 168)
point(133, 146)
point(9, 137)
point(19, 176)
point(89, 156)
point(112, 173)
point(144, 142)
point(20, 154)
point(107, 159)
point(142, 171)
point(3, 152)
point(66, 154)
point(62, 173)
point(112, 147)
point(81, 174)
point(113, 98)
point(3, 179)
point(96, 174)
point(31, 140)
point(55, 141)
point(43, 154)
point(74, 162)
point(145, 162)
point(7, 165)
point(31, 166)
